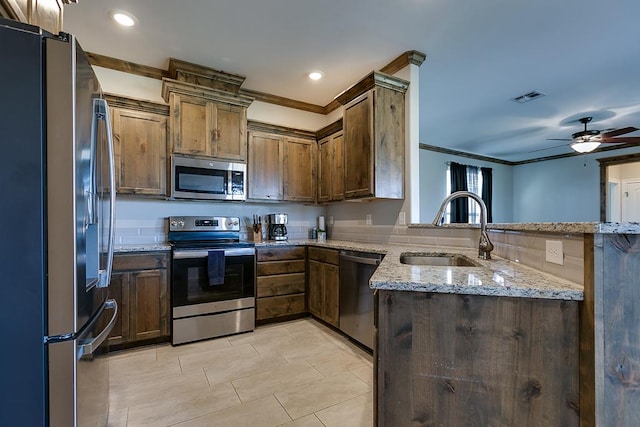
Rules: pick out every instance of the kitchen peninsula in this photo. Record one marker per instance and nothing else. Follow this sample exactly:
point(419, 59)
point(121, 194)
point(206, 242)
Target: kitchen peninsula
point(470, 346)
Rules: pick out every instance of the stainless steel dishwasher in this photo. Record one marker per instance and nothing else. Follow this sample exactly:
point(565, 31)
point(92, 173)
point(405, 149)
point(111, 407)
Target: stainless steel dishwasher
point(356, 298)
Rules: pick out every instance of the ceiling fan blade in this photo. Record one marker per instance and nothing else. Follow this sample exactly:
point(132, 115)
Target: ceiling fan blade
point(547, 148)
point(559, 139)
point(622, 131)
point(623, 140)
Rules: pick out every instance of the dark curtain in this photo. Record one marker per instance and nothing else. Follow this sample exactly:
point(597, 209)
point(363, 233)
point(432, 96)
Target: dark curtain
point(459, 207)
point(487, 192)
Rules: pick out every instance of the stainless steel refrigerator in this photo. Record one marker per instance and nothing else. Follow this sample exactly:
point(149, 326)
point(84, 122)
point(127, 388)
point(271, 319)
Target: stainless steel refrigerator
point(56, 232)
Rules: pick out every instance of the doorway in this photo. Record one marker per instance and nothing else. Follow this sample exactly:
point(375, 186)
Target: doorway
point(620, 188)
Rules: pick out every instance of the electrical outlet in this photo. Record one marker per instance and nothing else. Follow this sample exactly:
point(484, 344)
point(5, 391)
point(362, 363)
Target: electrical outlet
point(402, 219)
point(368, 219)
point(554, 253)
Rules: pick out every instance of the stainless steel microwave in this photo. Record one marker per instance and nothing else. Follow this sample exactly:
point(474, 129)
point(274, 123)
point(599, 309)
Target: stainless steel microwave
point(193, 178)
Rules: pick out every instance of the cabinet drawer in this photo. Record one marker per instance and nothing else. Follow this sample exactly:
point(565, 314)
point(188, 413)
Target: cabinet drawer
point(329, 256)
point(140, 261)
point(280, 267)
point(279, 254)
point(282, 284)
point(268, 308)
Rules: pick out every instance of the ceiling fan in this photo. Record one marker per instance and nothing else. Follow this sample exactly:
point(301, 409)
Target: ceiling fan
point(588, 140)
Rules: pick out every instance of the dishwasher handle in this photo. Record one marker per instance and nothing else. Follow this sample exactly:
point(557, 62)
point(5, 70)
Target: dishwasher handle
point(360, 260)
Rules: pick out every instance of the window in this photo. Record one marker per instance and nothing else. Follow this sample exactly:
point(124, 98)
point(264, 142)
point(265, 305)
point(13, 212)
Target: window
point(475, 183)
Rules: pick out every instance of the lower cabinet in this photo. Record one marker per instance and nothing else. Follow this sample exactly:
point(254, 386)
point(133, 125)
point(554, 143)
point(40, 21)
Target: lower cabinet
point(324, 284)
point(280, 282)
point(140, 286)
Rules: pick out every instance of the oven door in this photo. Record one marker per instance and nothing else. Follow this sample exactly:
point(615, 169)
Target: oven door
point(190, 279)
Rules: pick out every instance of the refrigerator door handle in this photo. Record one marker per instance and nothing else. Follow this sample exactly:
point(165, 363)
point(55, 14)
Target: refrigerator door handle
point(91, 345)
point(102, 112)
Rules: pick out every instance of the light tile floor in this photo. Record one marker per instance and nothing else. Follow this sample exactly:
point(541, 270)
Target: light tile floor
point(295, 374)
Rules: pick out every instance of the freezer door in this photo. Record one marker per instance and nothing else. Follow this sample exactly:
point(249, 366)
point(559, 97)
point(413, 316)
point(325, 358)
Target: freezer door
point(79, 374)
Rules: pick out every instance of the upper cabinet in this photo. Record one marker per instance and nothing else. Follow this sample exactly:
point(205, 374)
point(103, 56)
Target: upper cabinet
point(140, 145)
point(208, 114)
point(281, 164)
point(373, 124)
point(46, 14)
point(331, 163)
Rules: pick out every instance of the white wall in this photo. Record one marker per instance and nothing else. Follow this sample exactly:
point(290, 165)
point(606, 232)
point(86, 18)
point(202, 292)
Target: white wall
point(433, 184)
point(566, 189)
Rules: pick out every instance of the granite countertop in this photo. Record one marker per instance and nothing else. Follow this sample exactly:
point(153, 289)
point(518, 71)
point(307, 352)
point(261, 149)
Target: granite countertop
point(496, 277)
point(551, 227)
point(147, 247)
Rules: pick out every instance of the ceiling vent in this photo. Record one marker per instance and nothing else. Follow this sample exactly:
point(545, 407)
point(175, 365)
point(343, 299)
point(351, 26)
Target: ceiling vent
point(534, 94)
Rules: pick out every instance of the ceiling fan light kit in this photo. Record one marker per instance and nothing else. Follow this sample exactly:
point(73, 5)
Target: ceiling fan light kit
point(584, 146)
point(588, 140)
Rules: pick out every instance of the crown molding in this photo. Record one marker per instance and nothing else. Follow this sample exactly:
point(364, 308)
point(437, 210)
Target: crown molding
point(136, 104)
point(409, 57)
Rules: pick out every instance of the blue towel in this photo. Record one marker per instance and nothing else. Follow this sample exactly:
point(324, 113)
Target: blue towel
point(215, 267)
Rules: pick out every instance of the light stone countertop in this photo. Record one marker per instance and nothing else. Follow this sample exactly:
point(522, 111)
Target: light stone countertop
point(496, 277)
point(147, 247)
point(551, 227)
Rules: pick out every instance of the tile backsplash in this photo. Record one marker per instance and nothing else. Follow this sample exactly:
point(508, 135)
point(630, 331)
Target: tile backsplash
point(141, 221)
point(529, 248)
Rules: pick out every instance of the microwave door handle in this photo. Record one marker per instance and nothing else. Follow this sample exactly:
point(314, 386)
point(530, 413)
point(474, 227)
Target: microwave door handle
point(103, 114)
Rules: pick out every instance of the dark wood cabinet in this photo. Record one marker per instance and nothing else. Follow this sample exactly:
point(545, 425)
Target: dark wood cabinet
point(203, 127)
point(140, 286)
point(324, 284)
point(265, 167)
point(281, 164)
point(46, 14)
point(331, 168)
point(281, 282)
point(208, 113)
point(299, 183)
point(374, 138)
point(472, 360)
point(140, 145)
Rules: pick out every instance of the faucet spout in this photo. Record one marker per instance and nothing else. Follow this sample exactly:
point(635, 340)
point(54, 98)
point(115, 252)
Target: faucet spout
point(484, 246)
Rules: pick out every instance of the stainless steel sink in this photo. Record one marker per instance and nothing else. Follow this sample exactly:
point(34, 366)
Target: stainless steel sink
point(438, 259)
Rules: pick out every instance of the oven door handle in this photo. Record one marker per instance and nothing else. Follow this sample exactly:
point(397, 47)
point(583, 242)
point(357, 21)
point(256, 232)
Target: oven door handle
point(204, 253)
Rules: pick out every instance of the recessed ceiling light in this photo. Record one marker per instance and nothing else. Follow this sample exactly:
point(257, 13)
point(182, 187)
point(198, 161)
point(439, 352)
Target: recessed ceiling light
point(315, 75)
point(124, 18)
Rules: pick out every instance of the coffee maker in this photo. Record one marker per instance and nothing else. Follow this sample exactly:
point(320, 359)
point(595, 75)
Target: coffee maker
point(277, 226)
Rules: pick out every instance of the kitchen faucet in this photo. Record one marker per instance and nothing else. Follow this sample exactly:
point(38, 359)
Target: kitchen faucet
point(484, 246)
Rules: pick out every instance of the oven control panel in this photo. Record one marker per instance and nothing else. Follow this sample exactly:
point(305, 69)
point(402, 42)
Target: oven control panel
point(204, 223)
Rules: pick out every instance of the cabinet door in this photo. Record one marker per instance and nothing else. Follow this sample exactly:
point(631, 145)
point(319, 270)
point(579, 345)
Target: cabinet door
point(265, 166)
point(149, 309)
point(358, 147)
point(331, 286)
point(325, 169)
point(140, 141)
point(314, 289)
point(299, 170)
point(43, 13)
point(230, 134)
point(119, 290)
point(192, 125)
point(337, 174)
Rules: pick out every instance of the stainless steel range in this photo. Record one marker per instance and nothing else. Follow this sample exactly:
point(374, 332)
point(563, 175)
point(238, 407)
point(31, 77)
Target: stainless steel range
point(212, 278)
